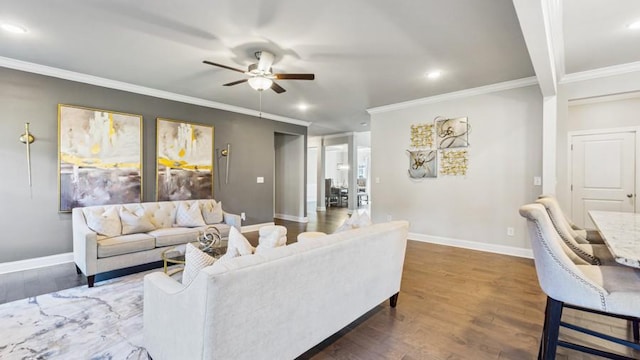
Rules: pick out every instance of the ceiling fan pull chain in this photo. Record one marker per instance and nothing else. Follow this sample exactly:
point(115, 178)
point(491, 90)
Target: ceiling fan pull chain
point(260, 93)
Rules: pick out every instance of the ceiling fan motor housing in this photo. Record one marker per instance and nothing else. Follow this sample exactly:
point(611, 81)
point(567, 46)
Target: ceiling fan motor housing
point(254, 70)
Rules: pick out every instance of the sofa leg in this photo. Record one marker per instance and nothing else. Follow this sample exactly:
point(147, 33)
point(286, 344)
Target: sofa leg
point(393, 300)
point(78, 271)
point(91, 280)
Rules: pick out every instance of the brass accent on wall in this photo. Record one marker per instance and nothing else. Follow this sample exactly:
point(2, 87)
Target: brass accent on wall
point(454, 162)
point(28, 139)
point(422, 135)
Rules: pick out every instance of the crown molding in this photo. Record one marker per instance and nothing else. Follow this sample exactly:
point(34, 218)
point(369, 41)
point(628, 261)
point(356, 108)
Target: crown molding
point(605, 98)
point(601, 72)
point(333, 136)
point(137, 89)
point(507, 85)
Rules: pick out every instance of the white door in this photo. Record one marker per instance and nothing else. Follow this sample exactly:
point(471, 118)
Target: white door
point(603, 174)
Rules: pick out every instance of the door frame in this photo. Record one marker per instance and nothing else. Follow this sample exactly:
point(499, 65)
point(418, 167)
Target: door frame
point(571, 134)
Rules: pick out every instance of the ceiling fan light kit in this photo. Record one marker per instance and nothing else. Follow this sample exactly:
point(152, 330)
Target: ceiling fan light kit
point(261, 75)
point(260, 83)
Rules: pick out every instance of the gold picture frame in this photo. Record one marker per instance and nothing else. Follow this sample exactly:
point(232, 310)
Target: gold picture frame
point(184, 160)
point(99, 157)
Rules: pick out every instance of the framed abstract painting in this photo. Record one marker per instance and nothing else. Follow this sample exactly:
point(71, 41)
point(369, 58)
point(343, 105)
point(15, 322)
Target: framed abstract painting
point(99, 157)
point(184, 160)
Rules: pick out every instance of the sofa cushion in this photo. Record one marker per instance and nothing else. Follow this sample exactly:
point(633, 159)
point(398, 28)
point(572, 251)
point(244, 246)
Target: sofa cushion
point(135, 220)
point(189, 215)
point(212, 211)
point(124, 244)
point(104, 222)
point(161, 213)
point(195, 260)
point(238, 245)
point(174, 236)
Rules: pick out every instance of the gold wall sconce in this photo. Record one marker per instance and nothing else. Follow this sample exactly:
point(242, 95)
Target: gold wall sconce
point(27, 139)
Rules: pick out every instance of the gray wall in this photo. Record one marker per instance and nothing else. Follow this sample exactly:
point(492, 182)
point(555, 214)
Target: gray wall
point(29, 218)
point(476, 209)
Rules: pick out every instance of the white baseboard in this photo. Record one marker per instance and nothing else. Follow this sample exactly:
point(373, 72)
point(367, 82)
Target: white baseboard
point(35, 263)
point(473, 245)
point(321, 208)
point(300, 219)
point(255, 227)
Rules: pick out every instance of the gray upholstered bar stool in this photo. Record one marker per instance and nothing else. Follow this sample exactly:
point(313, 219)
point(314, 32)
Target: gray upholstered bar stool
point(581, 235)
point(607, 290)
point(594, 254)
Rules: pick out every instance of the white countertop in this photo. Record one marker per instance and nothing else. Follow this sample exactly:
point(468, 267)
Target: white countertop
point(621, 233)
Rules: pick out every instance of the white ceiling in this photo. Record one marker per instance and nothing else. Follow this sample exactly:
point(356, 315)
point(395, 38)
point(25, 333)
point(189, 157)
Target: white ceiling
point(364, 53)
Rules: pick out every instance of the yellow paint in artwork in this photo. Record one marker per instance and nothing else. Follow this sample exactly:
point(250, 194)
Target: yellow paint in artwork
point(112, 130)
point(183, 165)
point(193, 134)
point(96, 162)
point(181, 152)
point(95, 148)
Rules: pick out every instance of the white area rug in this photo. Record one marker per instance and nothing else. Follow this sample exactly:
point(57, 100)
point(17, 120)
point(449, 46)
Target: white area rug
point(103, 322)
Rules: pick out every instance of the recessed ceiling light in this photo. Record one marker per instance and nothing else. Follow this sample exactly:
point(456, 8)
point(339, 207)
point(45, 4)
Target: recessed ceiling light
point(13, 28)
point(434, 74)
point(303, 107)
point(634, 25)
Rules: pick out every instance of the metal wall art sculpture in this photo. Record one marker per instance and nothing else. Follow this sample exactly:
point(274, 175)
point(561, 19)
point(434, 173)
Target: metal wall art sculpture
point(454, 162)
point(423, 164)
point(422, 135)
point(449, 134)
point(452, 133)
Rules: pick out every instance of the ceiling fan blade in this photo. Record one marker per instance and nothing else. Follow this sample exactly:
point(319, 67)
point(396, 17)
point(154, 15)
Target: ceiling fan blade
point(235, 82)
point(266, 60)
point(223, 66)
point(294, 76)
point(277, 88)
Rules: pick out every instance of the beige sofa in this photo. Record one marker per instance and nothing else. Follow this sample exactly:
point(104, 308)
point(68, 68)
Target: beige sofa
point(135, 234)
point(277, 304)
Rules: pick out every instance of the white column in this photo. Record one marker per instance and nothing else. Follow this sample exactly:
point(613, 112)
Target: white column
point(549, 144)
point(320, 205)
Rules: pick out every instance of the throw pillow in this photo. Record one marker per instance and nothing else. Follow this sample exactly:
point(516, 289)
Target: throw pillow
point(275, 238)
point(195, 260)
point(135, 222)
point(189, 215)
point(105, 223)
point(212, 212)
point(355, 221)
point(238, 245)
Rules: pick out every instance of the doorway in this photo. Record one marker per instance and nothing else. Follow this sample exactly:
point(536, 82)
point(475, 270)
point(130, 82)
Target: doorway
point(289, 178)
point(603, 173)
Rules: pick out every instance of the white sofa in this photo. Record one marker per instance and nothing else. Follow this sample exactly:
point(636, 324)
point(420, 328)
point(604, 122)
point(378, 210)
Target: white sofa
point(277, 304)
point(94, 253)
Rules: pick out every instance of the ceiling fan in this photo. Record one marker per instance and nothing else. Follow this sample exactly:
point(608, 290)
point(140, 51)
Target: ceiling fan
point(261, 75)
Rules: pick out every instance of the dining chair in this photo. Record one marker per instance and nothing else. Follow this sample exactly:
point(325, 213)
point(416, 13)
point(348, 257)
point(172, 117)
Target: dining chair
point(606, 290)
point(594, 254)
point(330, 196)
point(582, 235)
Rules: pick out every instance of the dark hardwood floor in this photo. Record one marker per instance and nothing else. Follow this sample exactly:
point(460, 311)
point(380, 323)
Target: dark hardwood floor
point(454, 304)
